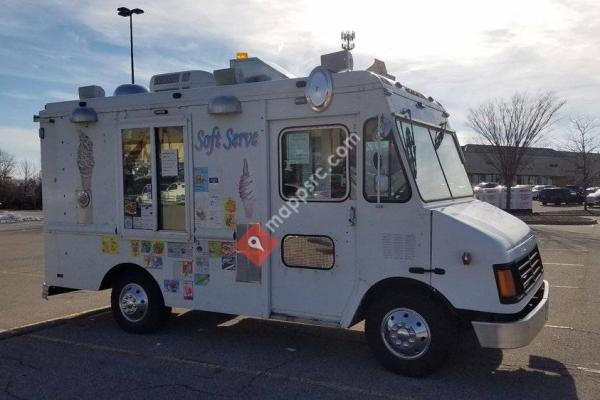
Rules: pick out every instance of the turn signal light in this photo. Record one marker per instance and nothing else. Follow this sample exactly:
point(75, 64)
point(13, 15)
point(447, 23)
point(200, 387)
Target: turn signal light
point(506, 283)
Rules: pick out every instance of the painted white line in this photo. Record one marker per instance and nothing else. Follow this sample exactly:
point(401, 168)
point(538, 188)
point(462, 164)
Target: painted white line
point(565, 264)
point(593, 371)
point(339, 387)
point(558, 327)
point(565, 287)
point(22, 274)
point(574, 249)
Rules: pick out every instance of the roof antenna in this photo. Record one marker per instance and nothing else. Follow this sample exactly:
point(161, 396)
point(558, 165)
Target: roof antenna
point(348, 39)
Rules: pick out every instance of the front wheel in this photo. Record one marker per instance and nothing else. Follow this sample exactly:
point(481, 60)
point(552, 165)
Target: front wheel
point(137, 303)
point(410, 333)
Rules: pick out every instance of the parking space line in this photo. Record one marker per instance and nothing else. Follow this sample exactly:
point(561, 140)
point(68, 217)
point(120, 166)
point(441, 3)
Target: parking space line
point(574, 249)
point(565, 287)
point(565, 264)
point(593, 371)
point(22, 274)
point(559, 327)
point(248, 371)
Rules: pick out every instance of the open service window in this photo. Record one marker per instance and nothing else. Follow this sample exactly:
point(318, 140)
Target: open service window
point(154, 195)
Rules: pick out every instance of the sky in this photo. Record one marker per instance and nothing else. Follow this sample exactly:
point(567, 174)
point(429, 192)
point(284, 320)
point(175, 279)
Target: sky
point(460, 52)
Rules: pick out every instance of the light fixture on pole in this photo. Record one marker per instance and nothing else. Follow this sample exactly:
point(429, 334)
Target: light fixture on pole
point(126, 12)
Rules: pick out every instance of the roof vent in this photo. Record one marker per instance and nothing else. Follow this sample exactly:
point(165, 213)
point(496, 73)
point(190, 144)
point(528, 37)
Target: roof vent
point(379, 68)
point(181, 80)
point(129, 88)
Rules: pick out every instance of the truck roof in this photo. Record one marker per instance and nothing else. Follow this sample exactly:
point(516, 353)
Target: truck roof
point(343, 82)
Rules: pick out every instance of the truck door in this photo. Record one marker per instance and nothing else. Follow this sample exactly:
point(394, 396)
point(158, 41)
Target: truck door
point(313, 264)
point(392, 224)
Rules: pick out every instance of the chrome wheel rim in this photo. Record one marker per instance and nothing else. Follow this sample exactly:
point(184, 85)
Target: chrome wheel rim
point(405, 333)
point(133, 302)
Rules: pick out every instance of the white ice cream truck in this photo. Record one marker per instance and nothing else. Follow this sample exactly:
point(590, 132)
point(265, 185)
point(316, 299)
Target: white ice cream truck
point(329, 199)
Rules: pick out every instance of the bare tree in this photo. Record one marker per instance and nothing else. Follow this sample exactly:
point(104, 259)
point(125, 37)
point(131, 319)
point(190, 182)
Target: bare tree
point(7, 165)
point(584, 141)
point(28, 171)
point(511, 127)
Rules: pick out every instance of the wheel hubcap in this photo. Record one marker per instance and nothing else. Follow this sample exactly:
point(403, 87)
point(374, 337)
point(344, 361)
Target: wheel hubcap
point(133, 302)
point(405, 333)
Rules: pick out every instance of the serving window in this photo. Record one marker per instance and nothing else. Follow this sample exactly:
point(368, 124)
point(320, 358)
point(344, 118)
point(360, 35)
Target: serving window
point(314, 164)
point(154, 156)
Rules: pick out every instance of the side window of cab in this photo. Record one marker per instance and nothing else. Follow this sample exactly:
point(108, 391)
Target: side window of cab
point(391, 179)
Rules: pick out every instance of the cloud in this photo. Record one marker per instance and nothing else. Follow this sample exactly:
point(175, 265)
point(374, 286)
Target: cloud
point(460, 52)
point(23, 143)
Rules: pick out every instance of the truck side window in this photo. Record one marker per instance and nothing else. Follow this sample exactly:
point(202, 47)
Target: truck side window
point(137, 179)
point(170, 178)
point(303, 251)
point(312, 168)
point(393, 184)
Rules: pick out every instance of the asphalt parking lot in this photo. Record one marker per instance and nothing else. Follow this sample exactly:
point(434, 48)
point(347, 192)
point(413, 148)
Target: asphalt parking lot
point(202, 355)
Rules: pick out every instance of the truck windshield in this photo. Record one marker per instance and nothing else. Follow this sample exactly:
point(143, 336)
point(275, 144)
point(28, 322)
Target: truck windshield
point(434, 161)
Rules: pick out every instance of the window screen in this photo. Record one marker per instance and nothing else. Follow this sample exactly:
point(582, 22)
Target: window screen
point(308, 251)
point(315, 160)
point(137, 179)
point(393, 185)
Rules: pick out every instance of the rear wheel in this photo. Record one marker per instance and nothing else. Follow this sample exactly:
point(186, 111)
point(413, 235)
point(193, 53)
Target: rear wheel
point(410, 333)
point(137, 303)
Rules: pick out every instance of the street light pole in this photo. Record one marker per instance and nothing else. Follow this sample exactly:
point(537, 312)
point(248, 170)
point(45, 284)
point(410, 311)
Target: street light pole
point(126, 12)
point(131, 47)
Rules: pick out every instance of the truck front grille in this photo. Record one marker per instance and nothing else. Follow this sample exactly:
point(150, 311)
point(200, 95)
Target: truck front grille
point(529, 269)
point(526, 272)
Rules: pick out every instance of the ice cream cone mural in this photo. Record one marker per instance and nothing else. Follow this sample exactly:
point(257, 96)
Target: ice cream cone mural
point(246, 191)
point(85, 162)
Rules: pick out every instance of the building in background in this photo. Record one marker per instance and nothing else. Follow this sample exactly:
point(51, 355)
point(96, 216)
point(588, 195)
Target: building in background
point(540, 166)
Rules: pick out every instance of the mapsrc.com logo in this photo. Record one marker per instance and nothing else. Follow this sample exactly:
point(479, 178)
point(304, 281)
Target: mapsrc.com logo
point(256, 244)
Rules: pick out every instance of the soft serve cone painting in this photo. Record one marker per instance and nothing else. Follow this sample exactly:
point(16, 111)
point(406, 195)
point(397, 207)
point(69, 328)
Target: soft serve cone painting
point(246, 190)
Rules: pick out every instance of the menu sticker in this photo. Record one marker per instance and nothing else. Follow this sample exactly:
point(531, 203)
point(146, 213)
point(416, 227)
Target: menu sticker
point(168, 162)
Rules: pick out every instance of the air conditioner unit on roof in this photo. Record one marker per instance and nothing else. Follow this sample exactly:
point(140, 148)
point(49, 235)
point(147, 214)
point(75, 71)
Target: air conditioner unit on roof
point(181, 80)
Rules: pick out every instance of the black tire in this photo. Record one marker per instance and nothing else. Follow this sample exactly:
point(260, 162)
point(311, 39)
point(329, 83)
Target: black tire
point(156, 314)
point(543, 203)
point(442, 329)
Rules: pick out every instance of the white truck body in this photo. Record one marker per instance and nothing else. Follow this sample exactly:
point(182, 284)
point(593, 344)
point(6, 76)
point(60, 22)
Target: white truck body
point(94, 228)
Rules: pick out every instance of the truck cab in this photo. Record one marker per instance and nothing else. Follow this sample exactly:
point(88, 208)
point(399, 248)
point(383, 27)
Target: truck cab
point(328, 199)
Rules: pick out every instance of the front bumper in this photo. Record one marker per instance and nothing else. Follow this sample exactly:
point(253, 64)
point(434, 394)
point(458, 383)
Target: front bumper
point(510, 335)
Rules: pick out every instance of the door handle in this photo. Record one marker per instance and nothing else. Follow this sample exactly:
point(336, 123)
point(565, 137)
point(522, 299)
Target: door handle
point(352, 216)
point(419, 270)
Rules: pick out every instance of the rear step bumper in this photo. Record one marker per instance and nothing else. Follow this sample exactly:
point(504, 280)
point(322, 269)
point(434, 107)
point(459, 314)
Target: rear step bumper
point(52, 290)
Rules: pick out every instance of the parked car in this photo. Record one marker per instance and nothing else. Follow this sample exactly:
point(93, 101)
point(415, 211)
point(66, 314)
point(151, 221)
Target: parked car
point(593, 199)
point(591, 190)
point(174, 193)
point(559, 196)
point(487, 185)
point(577, 189)
point(537, 189)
